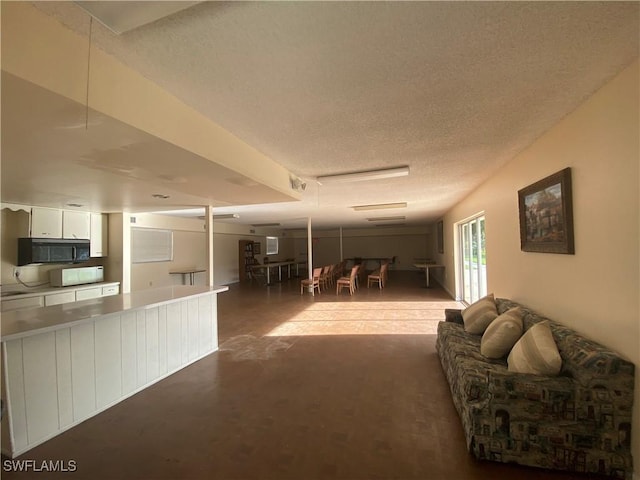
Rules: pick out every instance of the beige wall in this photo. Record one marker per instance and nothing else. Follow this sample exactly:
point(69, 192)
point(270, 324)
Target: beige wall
point(405, 243)
point(595, 291)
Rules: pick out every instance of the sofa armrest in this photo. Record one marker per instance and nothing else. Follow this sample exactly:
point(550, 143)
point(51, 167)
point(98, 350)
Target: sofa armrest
point(453, 315)
point(535, 396)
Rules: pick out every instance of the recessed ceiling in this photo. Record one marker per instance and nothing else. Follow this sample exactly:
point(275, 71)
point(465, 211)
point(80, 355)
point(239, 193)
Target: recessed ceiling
point(453, 90)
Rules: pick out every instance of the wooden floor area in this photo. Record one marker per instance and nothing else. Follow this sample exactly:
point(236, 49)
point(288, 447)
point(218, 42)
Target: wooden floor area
point(324, 387)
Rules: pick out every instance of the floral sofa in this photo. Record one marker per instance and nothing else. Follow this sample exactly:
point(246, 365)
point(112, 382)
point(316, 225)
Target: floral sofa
point(577, 421)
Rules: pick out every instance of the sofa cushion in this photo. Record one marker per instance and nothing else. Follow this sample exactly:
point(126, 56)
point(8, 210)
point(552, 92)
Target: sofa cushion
point(536, 352)
point(479, 315)
point(502, 334)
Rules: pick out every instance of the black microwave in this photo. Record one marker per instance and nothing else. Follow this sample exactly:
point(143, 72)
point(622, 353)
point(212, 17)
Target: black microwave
point(52, 250)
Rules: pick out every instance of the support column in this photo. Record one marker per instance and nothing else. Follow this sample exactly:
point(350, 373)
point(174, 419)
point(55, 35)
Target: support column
point(208, 227)
point(309, 254)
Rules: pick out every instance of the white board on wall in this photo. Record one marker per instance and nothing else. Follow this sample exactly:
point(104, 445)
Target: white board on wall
point(151, 245)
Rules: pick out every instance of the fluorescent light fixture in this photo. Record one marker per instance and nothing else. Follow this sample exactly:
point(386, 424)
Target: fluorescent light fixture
point(379, 206)
point(364, 176)
point(386, 219)
point(222, 216)
point(265, 225)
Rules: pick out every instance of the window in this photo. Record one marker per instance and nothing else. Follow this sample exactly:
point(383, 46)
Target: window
point(472, 260)
point(272, 245)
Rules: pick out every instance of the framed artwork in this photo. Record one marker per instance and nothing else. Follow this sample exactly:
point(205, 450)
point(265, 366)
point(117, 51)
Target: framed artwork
point(546, 215)
point(440, 232)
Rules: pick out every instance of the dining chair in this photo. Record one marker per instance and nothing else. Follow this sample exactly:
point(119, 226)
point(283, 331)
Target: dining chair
point(312, 282)
point(324, 277)
point(349, 281)
point(379, 276)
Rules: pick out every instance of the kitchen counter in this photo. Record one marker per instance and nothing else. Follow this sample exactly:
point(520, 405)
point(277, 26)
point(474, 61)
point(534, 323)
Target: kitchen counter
point(63, 364)
point(23, 323)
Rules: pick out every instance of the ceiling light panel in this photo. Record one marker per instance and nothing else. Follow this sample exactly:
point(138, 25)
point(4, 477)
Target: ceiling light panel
point(386, 219)
point(364, 176)
point(379, 206)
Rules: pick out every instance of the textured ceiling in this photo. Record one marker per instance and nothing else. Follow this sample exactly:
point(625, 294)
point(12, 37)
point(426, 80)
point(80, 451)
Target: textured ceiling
point(451, 89)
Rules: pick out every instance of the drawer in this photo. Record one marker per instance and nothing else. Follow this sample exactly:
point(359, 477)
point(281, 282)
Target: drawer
point(18, 303)
point(112, 290)
point(88, 293)
point(58, 298)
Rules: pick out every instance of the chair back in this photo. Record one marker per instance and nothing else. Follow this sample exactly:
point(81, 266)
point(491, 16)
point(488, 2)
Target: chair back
point(354, 271)
point(317, 272)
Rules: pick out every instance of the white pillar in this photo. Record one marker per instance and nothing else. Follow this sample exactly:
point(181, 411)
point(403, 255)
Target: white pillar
point(208, 227)
point(309, 253)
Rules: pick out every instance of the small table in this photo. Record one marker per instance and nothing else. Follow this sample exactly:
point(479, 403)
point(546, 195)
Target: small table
point(426, 267)
point(188, 271)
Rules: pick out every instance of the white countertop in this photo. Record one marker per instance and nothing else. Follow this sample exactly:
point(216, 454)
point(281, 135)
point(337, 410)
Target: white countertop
point(26, 292)
point(23, 323)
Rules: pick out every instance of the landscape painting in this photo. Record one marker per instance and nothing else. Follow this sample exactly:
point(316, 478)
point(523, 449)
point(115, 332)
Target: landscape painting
point(546, 215)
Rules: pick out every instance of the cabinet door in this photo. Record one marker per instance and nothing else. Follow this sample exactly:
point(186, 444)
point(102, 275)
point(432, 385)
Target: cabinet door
point(99, 234)
point(18, 303)
point(58, 298)
point(88, 293)
point(46, 222)
point(111, 290)
point(76, 224)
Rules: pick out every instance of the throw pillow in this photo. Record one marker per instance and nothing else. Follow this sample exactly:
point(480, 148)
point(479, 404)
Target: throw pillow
point(502, 334)
point(453, 315)
point(536, 352)
point(479, 315)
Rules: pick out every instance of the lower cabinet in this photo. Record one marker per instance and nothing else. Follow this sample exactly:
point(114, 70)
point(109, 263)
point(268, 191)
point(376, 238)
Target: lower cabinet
point(18, 303)
point(59, 298)
point(88, 293)
point(68, 296)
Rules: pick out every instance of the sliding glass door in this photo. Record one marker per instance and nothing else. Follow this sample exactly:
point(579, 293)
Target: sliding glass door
point(473, 260)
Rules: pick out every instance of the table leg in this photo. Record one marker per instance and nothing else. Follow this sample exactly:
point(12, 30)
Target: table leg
point(426, 274)
point(279, 273)
point(268, 275)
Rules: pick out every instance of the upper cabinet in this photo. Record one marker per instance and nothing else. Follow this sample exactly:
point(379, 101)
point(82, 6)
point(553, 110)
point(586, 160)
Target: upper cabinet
point(46, 223)
point(99, 235)
point(76, 225)
point(56, 223)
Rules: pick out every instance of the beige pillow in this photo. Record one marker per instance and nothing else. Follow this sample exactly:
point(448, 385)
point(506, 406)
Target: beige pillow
point(479, 315)
point(502, 334)
point(536, 352)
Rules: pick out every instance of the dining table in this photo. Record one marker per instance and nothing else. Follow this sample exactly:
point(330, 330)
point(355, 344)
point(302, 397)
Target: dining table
point(426, 267)
point(279, 265)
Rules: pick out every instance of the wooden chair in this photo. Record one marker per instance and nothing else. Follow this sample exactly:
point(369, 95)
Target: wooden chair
point(349, 281)
point(379, 276)
point(325, 281)
point(312, 282)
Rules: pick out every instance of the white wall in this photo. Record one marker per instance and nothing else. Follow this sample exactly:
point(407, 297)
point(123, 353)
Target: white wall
point(595, 291)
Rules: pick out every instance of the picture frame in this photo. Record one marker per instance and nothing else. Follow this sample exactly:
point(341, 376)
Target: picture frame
point(440, 236)
point(546, 215)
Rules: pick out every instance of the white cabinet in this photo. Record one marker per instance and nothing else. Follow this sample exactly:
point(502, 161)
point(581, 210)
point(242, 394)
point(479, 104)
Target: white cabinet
point(59, 298)
point(46, 223)
point(76, 224)
point(18, 303)
point(110, 290)
point(88, 293)
point(55, 223)
point(99, 234)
